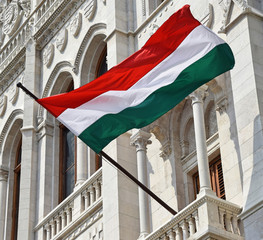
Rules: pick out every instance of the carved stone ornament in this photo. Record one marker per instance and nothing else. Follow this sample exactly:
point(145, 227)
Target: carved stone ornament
point(26, 6)
point(208, 16)
point(48, 54)
point(3, 104)
point(62, 40)
point(14, 90)
point(226, 6)
point(90, 9)
point(11, 18)
point(75, 25)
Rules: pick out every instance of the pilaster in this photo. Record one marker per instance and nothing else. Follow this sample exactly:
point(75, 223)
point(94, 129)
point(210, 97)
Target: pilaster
point(28, 182)
point(45, 168)
point(120, 195)
point(3, 192)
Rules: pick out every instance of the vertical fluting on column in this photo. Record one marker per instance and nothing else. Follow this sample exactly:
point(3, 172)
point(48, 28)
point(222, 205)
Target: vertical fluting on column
point(140, 139)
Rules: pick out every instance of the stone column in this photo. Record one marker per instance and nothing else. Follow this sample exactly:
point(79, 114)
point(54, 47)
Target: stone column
point(28, 183)
point(140, 139)
point(3, 188)
point(82, 164)
point(200, 138)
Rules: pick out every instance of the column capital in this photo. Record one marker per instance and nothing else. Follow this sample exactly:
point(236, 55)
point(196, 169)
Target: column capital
point(199, 94)
point(140, 139)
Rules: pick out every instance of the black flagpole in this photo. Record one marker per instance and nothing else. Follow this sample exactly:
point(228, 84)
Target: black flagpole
point(147, 190)
point(117, 165)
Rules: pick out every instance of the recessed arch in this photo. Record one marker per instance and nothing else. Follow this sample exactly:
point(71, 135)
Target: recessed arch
point(12, 125)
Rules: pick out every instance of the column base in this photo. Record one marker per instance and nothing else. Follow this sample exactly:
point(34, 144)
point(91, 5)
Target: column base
point(206, 191)
point(143, 236)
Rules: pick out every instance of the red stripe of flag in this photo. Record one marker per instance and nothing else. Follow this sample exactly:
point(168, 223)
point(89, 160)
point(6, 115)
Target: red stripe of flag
point(124, 75)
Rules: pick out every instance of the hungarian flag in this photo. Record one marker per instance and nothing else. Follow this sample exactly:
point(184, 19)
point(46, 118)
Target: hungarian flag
point(181, 56)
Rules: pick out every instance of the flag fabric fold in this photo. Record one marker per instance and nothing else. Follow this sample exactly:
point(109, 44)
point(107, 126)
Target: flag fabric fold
point(178, 58)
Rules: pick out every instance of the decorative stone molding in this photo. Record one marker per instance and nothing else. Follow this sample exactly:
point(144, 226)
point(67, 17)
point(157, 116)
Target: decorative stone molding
point(87, 224)
point(90, 9)
point(18, 113)
point(75, 25)
point(62, 40)
point(140, 140)
point(26, 6)
point(191, 213)
point(81, 51)
point(13, 90)
point(221, 105)
point(199, 94)
point(3, 174)
point(226, 6)
point(160, 129)
point(45, 129)
point(154, 28)
point(11, 18)
point(208, 16)
point(48, 55)
point(3, 104)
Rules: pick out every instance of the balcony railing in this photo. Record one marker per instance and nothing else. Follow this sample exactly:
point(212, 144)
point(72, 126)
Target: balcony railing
point(208, 216)
point(84, 203)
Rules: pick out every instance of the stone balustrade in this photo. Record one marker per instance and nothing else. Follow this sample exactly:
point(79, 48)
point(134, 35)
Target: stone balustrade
point(16, 43)
point(208, 216)
point(84, 201)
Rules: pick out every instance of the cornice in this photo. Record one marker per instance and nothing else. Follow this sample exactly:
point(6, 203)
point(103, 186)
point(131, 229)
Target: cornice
point(50, 23)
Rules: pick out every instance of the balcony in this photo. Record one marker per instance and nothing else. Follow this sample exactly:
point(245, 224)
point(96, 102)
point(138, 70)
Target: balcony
point(79, 213)
point(208, 217)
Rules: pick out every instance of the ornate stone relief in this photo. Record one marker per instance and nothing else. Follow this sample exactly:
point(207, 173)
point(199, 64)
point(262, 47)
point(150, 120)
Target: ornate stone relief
point(153, 28)
point(14, 90)
point(75, 25)
point(160, 128)
point(3, 104)
point(62, 40)
point(11, 18)
point(26, 6)
point(221, 105)
point(90, 9)
point(48, 54)
point(208, 16)
point(226, 5)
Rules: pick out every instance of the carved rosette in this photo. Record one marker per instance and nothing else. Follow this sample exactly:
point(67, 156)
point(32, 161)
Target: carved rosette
point(11, 18)
point(90, 9)
point(3, 104)
point(75, 25)
point(62, 40)
point(48, 54)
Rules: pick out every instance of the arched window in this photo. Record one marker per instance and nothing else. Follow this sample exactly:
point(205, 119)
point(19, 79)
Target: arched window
point(102, 67)
point(67, 175)
point(216, 177)
point(16, 191)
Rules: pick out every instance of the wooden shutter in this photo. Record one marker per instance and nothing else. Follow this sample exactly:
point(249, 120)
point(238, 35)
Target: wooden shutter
point(216, 177)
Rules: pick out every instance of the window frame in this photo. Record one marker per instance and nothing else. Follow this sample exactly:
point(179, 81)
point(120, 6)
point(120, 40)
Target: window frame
point(215, 185)
point(16, 190)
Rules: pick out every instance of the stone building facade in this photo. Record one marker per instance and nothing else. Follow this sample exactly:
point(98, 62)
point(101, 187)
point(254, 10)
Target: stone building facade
point(204, 158)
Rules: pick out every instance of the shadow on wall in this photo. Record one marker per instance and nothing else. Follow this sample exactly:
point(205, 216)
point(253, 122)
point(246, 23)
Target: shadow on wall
point(252, 214)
